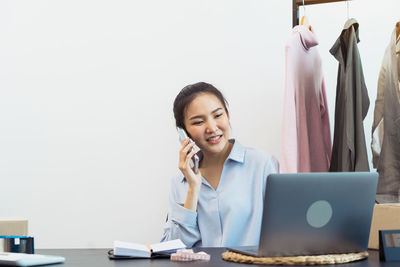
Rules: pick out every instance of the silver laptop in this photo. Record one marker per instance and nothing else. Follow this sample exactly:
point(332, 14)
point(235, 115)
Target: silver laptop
point(315, 214)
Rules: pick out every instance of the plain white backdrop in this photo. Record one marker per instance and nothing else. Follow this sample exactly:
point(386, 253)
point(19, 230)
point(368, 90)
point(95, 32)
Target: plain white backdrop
point(87, 138)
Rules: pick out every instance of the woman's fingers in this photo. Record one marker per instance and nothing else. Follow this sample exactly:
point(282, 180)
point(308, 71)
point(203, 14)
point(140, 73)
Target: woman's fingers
point(184, 161)
point(186, 154)
point(183, 153)
point(189, 156)
point(184, 143)
point(186, 147)
point(192, 175)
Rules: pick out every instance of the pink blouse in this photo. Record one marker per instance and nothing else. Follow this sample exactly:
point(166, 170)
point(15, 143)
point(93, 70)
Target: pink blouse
point(306, 139)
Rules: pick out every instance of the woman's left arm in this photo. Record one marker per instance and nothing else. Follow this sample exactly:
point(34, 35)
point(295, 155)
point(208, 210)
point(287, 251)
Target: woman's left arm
point(181, 222)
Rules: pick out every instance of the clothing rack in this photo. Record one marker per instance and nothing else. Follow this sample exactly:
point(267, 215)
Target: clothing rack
point(298, 3)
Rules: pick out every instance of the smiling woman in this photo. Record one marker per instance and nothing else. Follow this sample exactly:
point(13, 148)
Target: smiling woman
point(221, 203)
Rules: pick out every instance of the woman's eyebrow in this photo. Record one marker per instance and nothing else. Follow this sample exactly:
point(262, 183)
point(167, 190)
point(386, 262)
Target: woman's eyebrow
point(196, 117)
point(215, 110)
point(200, 116)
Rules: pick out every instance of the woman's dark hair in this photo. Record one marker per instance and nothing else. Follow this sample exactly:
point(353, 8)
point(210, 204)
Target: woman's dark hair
point(186, 96)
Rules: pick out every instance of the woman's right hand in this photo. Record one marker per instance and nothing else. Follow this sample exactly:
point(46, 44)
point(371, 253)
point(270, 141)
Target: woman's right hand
point(193, 178)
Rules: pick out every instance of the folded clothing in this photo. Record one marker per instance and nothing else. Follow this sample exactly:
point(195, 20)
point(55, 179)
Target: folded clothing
point(189, 255)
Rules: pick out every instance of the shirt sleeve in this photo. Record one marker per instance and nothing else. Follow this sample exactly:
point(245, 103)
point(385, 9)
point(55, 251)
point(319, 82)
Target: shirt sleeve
point(289, 150)
point(378, 123)
point(181, 222)
point(271, 166)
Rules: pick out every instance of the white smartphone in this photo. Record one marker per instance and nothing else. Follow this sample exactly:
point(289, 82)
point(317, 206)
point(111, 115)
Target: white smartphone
point(194, 162)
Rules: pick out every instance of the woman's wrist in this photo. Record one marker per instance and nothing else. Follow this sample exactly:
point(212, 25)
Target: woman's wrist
point(192, 198)
point(195, 186)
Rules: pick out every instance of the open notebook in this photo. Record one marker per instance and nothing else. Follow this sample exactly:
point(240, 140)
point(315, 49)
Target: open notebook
point(134, 250)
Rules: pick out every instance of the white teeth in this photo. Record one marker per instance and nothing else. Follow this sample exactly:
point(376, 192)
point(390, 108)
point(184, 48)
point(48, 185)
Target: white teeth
point(214, 138)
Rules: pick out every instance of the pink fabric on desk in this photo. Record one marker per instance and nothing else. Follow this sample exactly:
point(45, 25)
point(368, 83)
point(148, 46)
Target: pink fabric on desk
point(306, 139)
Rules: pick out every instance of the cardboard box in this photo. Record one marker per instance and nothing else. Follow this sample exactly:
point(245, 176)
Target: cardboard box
point(385, 217)
point(13, 226)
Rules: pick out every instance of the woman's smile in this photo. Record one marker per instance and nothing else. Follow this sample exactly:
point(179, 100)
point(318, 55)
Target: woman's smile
point(214, 139)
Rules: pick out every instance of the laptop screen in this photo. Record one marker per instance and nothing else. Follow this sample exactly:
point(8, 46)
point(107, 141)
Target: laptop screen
point(317, 213)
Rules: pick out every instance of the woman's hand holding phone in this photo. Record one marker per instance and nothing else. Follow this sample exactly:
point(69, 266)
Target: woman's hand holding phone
point(192, 175)
point(188, 164)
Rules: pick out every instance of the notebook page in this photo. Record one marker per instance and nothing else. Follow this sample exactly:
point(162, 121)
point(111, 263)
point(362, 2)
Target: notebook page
point(167, 246)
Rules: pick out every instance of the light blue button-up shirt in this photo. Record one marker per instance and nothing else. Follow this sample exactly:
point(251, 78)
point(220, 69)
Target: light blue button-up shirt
point(230, 215)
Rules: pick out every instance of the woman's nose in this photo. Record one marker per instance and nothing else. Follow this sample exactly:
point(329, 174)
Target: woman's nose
point(211, 126)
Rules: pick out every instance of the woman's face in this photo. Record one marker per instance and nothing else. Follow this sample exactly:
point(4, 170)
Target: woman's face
point(207, 121)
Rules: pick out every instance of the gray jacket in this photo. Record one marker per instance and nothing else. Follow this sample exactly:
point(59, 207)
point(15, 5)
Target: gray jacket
point(386, 127)
point(349, 151)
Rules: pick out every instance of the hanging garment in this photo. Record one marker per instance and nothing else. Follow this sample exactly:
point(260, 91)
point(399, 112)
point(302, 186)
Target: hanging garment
point(306, 139)
point(386, 127)
point(349, 151)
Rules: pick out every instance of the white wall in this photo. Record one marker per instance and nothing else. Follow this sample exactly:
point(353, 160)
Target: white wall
point(87, 137)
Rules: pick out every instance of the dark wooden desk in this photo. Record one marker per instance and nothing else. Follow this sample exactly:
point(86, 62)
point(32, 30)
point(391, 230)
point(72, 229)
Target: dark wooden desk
point(98, 258)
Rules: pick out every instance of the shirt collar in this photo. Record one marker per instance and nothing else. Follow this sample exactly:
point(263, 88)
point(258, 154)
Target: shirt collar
point(352, 23)
point(337, 48)
point(237, 153)
point(307, 37)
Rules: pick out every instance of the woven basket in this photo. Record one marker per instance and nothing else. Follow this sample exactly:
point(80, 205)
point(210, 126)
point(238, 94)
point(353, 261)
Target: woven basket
point(297, 260)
